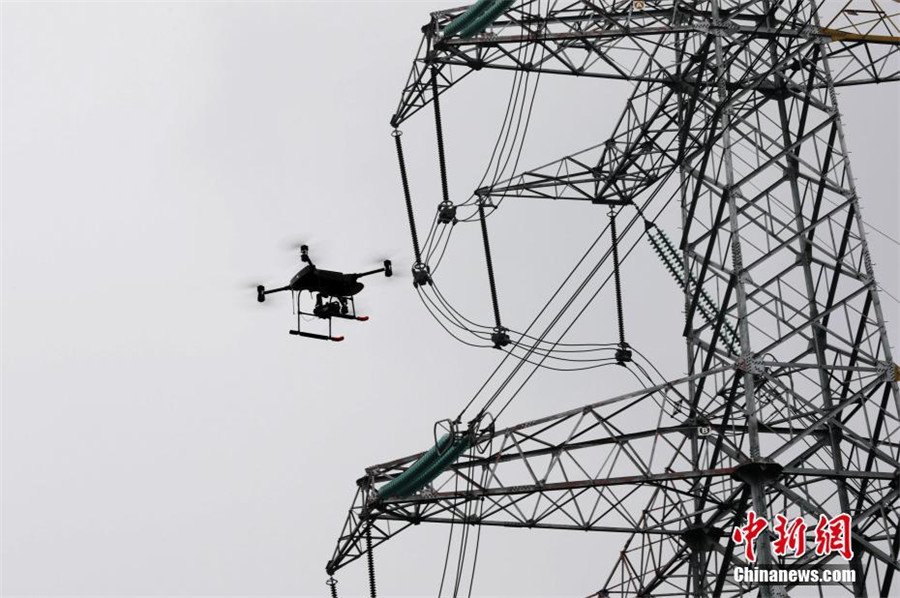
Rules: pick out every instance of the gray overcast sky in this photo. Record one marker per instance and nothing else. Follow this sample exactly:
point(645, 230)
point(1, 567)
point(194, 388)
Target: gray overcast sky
point(161, 432)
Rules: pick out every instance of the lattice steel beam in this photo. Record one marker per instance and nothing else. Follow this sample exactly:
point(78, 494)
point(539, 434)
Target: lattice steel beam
point(734, 116)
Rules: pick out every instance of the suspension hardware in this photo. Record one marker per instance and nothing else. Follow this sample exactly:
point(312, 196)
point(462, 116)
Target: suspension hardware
point(421, 274)
point(446, 213)
point(500, 337)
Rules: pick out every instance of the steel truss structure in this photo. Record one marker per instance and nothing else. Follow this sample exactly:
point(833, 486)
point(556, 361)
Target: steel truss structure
point(734, 115)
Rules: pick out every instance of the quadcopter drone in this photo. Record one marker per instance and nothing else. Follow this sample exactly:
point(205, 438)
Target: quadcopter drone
point(334, 293)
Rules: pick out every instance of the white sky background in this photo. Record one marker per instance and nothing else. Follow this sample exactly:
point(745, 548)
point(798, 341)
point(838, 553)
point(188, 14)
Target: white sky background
point(161, 432)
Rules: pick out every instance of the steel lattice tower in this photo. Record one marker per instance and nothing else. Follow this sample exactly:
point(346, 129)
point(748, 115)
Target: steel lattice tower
point(790, 404)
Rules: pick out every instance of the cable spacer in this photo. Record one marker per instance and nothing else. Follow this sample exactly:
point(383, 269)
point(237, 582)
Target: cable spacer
point(447, 213)
point(623, 354)
point(500, 337)
point(421, 274)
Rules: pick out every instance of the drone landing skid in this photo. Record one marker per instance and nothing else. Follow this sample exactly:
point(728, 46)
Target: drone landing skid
point(351, 317)
point(321, 337)
point(327, 312)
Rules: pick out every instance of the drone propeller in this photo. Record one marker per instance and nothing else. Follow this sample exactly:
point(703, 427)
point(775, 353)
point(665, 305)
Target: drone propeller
point(397, 271)
point(317, 248)
point(295, 245)
point(248, 286)
point(382, 259)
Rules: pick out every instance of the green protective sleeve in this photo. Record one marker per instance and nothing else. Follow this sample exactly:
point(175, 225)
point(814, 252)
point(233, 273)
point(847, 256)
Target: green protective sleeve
point(425, 470)
point(465, 18)
point(483, 21)
point(393, 487)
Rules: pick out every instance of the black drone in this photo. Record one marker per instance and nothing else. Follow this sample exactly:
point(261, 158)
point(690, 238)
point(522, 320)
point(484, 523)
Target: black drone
point(334, 293)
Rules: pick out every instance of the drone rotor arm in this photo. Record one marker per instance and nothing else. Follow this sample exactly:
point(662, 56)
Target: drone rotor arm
point(261, 292)
point(388, 270)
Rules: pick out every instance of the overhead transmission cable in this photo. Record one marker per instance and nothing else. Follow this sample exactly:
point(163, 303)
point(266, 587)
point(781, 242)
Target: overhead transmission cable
point(568, 304)
point(443, 308)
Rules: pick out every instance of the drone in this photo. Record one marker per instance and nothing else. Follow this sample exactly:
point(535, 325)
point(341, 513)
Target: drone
point(334, 293)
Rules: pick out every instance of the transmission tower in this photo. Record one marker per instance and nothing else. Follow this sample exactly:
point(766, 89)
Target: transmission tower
point(790, 404)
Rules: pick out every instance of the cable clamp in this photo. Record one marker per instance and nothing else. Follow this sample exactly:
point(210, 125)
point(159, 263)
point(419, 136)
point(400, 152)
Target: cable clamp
point(500, 337)
point(421, 274)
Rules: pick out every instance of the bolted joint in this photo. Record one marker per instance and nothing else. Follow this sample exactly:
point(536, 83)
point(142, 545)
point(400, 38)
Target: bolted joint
point(750, 365)
point(701, 425)
point(891, 371)
point(762, 471)
point(701, 538)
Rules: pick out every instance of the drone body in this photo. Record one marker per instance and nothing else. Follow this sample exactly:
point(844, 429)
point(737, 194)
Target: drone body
point(334, 293)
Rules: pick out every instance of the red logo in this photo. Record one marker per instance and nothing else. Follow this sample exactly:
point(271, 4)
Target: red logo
point(748, 533)
point(789, 537)
point(831, 535)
